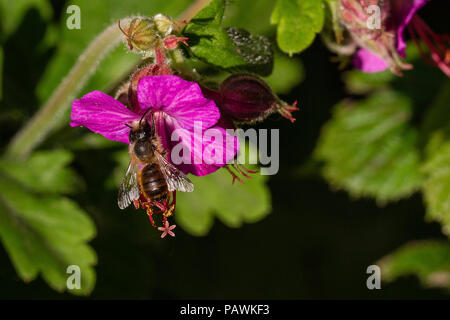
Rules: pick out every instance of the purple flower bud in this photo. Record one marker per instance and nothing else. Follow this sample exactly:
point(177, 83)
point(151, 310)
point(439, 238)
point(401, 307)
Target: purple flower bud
point(247, 98)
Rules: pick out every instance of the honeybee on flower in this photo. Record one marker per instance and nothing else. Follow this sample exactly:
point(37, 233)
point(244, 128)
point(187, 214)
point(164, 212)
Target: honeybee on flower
point(158, 104)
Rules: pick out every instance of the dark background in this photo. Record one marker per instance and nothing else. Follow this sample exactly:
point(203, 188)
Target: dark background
point(315, 244)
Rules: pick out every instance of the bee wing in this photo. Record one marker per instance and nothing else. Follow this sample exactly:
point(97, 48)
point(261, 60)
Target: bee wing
point(129, 189)
point(175, 179)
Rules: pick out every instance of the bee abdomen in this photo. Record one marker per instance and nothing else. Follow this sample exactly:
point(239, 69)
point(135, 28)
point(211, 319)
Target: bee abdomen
point(153, 184)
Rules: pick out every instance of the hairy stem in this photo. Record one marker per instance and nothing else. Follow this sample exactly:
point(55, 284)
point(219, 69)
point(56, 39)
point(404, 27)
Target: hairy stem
point(48, 115)
point(190, 12)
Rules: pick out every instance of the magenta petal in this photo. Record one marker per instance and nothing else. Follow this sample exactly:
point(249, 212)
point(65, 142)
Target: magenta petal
point(213, 152)
point(178, 98)
point(204, 154)
point(102, 114)
point(164, 127)
point(368, 62)
point(402, 13)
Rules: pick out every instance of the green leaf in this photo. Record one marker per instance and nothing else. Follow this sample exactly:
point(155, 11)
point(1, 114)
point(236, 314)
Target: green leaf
point(43, 232)
point(428, 260)
point(436, 188)
point(297, 22)
point(435, 136)
point(232, 49)
point(1, 73)
point(44, 171)
point(437, 115)
point(214, 195)
point(369, 149)
point(211, 14)
point(12, 12)
point(358, 82)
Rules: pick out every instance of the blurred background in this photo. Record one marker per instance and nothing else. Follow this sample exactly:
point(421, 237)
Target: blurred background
point(309, 232)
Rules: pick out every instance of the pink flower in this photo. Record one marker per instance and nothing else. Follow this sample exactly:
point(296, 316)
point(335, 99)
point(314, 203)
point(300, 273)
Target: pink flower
point(368, 61)
point(382, 49)
point(176, 105)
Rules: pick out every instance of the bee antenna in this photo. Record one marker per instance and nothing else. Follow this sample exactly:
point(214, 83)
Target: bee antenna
point(153, 125)
point(145, 113)
point(126, 124)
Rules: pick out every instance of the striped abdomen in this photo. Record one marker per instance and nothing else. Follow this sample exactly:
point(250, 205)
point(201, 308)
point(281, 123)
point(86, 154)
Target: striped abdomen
point(153, 184)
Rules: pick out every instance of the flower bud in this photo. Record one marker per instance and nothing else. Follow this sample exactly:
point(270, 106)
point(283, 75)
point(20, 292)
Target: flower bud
point(122, 94)
point(246, 98)
point(164, 24)
point(151, 70)
point(141, 34)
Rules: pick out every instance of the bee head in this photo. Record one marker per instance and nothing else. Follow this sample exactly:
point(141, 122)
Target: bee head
point(141, 129)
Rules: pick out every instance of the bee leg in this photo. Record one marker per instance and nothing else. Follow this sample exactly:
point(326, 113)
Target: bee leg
point(149, 211)
point(171, 207)
point(151, 220)
point(174, 201)
point(159, 211)
point(161, 206)
point(166, 205)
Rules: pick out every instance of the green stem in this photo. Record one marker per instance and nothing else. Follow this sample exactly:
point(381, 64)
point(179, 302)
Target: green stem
point(178, 63)
point(42, 123)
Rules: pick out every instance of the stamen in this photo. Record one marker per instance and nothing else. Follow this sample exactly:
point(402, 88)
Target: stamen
point(248, 170)
point(285, 110)
point(237, 167)
point(241, 169)
point(435, 43)
point(235, 177)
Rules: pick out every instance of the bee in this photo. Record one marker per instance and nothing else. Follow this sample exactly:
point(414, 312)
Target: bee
point(158, 178)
